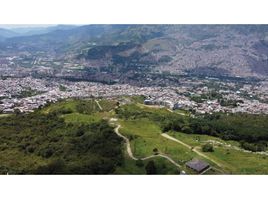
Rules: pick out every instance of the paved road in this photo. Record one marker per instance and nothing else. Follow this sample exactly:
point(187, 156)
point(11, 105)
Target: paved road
point(191, 148)
point(129, 151)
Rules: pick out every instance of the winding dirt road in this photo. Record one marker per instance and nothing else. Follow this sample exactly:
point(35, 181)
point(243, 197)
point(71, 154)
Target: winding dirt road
point(129, 151)
point(191, 148)
point(130, 154)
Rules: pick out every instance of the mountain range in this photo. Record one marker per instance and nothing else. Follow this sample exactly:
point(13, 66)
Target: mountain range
point(209, 50)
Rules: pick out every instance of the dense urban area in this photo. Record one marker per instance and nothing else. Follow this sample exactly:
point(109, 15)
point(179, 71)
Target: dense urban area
point(196, 95)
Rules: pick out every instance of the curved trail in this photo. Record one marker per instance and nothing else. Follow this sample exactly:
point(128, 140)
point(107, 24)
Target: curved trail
point(129, 151)
point(97, 102)
point(127, 142)
point(189, 147)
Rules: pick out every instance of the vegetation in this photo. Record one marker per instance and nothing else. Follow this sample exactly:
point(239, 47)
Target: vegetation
point(71, 137)
point(108, 105)
point(240, 127)
point(207, 148)
point(39, 143)
point(150, 168)
point(27, 92)
point(62, 88)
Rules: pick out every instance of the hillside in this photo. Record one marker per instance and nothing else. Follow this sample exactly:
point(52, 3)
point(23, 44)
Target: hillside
point(5, 33)
point(207, 50)
point(103, 136)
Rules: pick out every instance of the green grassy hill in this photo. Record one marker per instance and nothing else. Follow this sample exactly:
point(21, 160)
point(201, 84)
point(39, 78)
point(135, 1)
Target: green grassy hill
point(77, 137)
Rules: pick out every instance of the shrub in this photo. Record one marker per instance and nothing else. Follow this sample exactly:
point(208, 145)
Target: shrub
point(150, 168)
point(207, 148)
point(139, 163)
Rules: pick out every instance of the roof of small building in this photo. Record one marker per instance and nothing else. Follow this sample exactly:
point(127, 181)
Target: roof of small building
point(197, 165)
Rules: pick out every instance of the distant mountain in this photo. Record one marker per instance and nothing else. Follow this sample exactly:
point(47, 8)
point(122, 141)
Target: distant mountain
point(29, 31)
point(207, 50)
point(5, 33)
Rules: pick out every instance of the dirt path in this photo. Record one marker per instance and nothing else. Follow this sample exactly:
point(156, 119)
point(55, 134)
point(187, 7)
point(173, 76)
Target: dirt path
point(126, 141)
point(129, 151)
point(191, 148)
point(97, 102)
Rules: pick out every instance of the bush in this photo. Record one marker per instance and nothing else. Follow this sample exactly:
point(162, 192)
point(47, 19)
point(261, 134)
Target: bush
point(139, 163)
point(54, 167)
point(207, 148)
point(155, 150)
point(30, 149)
point(46, 153)
point(254, 147)
point(151, 168)
point(186, 129)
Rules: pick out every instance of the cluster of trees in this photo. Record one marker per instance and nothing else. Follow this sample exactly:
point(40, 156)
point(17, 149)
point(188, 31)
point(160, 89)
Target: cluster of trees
point(247, 127)
point(260, 146)
point(232, 103)
point(250, 130)
point(211, 95)
point(57, 147)
point(156, 167)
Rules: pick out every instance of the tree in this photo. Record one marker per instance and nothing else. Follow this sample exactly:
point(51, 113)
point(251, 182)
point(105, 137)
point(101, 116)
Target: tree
point(139, 163)
point(186, 129)
point(155, 150)
point(150, 167)
point(53, 167)
point(207, 148)
point(17, 111)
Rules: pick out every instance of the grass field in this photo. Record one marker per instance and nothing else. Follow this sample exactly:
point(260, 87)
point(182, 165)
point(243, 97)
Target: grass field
point(68, 104)
point(234, 161)
point(145, 136)
point(74, 116)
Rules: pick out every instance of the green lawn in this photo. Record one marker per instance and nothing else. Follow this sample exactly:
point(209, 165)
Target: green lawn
point(75, 116)
point(67, 104)
point(241, 162)
point(197, 139)
point(146, 135)
point(234, 161)
point(72, 105)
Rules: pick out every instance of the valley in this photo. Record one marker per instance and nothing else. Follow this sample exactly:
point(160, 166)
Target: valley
point(134, 99)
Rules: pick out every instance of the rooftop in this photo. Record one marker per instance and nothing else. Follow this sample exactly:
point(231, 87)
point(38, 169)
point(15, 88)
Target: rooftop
point(197, 165)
